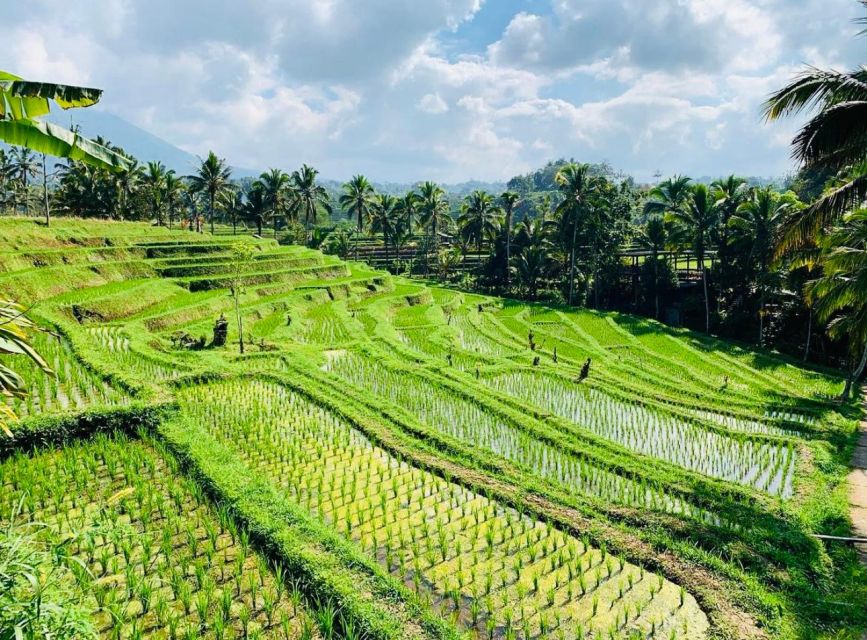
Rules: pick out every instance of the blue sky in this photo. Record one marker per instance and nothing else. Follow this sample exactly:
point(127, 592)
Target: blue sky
point(450, 90)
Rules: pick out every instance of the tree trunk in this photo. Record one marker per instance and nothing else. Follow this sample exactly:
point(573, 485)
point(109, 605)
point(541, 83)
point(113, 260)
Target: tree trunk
point(761, 322)
point(508, 248)
point(211, 206)
point(854, 377)
point(45, 192)
point(275, 224)
point(259, 226)
point(572, 258)
point(240, 326)
point(656, 287)
point(809, 333)
point(706, 302)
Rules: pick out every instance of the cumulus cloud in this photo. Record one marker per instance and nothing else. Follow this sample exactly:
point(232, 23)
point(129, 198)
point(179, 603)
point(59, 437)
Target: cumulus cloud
point(432, 103)
point(401, 90)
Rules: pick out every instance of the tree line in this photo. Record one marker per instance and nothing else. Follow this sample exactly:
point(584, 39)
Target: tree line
point(784, 268)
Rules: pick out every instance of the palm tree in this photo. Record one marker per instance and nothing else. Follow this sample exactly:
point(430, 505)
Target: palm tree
point(833, 139)
point(127, 180)
point(231, 202)
point(358, 201)
point(433, 208)
point(154, 180)
point(479, 219)
point(696, 218)
point(173, 189)
point(384, 218)
point(309, 196)
point(533, 264)
point(577, 186)
point(6, 171)
point(277, 186)
point(840, 294)
point(509, 200)
point(668, 196)
point(25, 166)
point(534, 259)
point(728, 194)
point(653, 236)
point(255, 206)
point(212, 177)
point(756, 223)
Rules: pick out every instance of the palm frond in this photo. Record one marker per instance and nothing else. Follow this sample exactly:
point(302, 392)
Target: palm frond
point(835, 137)
point(815, 87)
point(806, 224)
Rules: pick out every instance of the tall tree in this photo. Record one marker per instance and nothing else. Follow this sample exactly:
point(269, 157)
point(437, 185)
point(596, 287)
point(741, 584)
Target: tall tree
point(211, 178)
point(576, 184)
point(310, 197)
point(25, 166)
point(834, 138)
point(385, 219)
point(508, 199)
point(840, 294)
point(479, 219)
point(433, 208)
point(755, 224)
point(127, 180)
point(653, 236)
point(154, 180)
point(255, 207)
point(277, 187)
point(173, 189)
point(358, 201)
point(231, 202)
point(696, 218)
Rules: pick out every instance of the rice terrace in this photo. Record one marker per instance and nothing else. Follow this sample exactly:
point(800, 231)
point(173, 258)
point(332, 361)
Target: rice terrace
point(574, 406)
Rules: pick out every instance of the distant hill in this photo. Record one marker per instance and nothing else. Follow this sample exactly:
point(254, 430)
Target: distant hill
point(140, 143)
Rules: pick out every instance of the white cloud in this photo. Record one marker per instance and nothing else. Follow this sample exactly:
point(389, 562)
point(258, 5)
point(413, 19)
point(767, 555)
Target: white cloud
point(432, 103)
point(352, 85)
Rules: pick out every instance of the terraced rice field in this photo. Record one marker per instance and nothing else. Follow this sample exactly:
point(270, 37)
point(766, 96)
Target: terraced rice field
point(390, 459)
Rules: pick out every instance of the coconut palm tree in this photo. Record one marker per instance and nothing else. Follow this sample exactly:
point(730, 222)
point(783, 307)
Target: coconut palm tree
point(211, 178)
point(834, 138)
point(154, 181)
point(433, 208)
point(840, 294)
point(668, 196)
point(277, 186)
point(756, 223)
point(479, 219)
point(696, 218)
point(25, 166)
point(577, 186)
point(255, 206)
point(532, 265)
point(309, 198)
point(173, 189)
point(384, 218)
point(126, 181)
point(407, 208)
point(653, 236)
point(358, 201)
point(231, 203)
point(508, 199)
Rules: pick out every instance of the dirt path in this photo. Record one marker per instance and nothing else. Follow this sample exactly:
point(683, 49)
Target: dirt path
point(858, 482)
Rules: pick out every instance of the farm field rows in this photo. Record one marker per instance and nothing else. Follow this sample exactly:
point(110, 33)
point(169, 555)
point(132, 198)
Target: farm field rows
point(391, 459)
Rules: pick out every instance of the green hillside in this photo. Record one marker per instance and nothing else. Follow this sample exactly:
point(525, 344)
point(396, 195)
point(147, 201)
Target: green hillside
point(394, 459)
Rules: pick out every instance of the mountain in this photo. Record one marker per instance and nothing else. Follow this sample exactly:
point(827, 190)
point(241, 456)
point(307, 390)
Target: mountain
point(142, 144)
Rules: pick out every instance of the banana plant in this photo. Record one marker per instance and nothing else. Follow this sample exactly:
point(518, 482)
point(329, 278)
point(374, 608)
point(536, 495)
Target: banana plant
point(15, 330)
point(22, 103)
